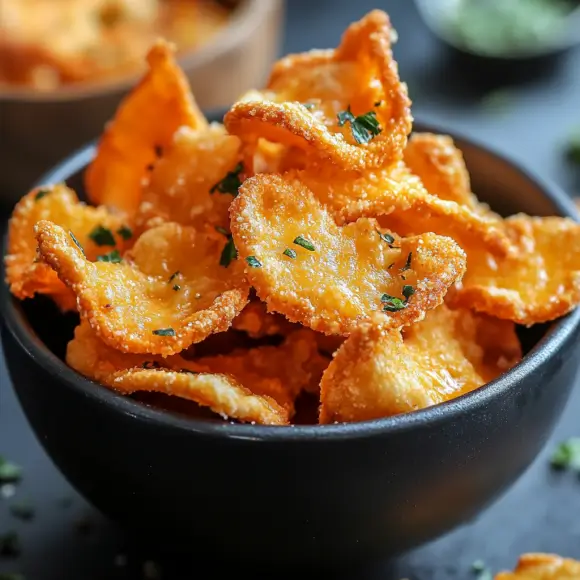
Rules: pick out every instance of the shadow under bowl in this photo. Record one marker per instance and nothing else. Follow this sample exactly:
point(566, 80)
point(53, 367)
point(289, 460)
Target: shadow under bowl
point(306, 495)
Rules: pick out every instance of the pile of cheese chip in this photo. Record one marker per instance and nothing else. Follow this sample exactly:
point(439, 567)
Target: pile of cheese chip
point(329, 252)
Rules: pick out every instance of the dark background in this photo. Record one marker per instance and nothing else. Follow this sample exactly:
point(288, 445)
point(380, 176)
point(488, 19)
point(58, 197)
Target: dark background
point(528, 115)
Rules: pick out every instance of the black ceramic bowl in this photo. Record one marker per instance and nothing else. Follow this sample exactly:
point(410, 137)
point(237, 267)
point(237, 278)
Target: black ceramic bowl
point(312, 495)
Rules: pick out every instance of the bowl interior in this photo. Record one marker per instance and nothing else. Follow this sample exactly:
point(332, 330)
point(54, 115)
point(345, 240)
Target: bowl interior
point(507, 188)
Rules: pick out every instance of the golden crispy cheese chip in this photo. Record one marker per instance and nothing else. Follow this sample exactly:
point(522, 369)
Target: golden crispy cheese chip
point(440, 166)
point(144, 122)
point(194, 181)
point(345, 105)
point(401, 203)
point(379, 373)
point(224, 392)
point(257, 322)
point(543, 567)
point(169, 291)
point(537, 283)
point(281, 372)
point(328, 277)
point(96, 229)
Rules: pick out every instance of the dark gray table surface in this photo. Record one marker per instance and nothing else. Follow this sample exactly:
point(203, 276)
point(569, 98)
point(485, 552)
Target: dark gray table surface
point(530, 120)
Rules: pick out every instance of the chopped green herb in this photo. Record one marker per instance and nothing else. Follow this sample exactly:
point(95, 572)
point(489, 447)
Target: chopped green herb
point(308, 105)
point(174, 275)
point(574, 148)
point(125, 232)
point(102, 236)
point(307, 245)
point(222, 231)
point(392, 304)
point(481, 571)
point(114, 257)
point(567, 455)
point(407, 265)
point(253, 262)
point(176, 287)
point(77, 243)
point(22, 510)
point(290, 253)
point(229, 253)
point(408, 291)
point(230, 183)
point(41, 193)
point(164, 332)
point(363, 127)
point(150, 365)
point(386, 238)
point(10, 545)
point(9, 472)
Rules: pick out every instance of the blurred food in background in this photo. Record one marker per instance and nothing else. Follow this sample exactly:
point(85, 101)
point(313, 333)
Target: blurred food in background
point(46, 44)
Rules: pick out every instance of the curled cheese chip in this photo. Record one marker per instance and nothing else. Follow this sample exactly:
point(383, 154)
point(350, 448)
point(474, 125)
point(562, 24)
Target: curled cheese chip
point(440, 166)
point(328, 277)
point(379, 373)
point(401, 203)
point(174, 375)
point(145, 121)
point(221, 393)
point(185, 185)
point(257, 322)
point(346, 105)
point(281, 372)
point(96, 229)
point(539, 282)
point(543, 567)
point(169, 292)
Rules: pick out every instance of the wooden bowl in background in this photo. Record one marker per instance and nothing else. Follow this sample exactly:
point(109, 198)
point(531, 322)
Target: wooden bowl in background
point(38, 129)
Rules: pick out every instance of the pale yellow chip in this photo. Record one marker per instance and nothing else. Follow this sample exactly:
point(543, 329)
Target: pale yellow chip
point(306, 93)
point(328, 277)
point(539, 282)
point(379, 373)
point(144, 122)
point(186, 185)
point(543, 567)
point(26, 274)
point(169, 292)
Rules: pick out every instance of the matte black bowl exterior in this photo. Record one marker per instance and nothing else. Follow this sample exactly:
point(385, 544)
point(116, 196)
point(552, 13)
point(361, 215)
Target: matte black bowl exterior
point(303, 495)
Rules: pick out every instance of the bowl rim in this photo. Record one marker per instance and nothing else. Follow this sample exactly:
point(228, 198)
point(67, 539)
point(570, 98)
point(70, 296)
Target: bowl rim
point(561, 329)
point(244, 21)
point(436, 26)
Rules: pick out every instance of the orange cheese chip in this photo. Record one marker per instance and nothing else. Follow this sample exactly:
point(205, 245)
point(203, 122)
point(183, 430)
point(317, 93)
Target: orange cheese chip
point(313, 101)
point(440, 165)
point(145, 121)
point(185, 183)
point(379, 373)
point(539, 282)
point(543, 567)
point(169, 292)
point(249, 385)
point(328, 277)
point(26, 274)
